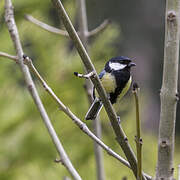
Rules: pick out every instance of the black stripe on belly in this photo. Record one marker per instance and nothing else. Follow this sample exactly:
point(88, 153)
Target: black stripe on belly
point(122, 78)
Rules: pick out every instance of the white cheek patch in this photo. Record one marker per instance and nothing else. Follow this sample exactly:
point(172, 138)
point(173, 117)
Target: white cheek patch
point(117, 66)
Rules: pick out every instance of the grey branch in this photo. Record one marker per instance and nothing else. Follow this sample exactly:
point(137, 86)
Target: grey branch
point(9, 18)
point(46, 26)
point(83, 33)
point(68, 112)
point(6, 55)
point(120, 135)
point(58, 31)
point(75, 119)
point(100, 28)
point(168, 93)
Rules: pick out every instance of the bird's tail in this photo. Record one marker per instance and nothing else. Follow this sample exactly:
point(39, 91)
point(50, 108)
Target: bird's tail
point(94, 109)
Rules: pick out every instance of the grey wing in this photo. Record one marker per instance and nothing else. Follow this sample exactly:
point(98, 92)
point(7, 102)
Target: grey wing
point(102, 74)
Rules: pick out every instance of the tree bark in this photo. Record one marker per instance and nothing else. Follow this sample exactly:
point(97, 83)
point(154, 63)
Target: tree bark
point(168, 93)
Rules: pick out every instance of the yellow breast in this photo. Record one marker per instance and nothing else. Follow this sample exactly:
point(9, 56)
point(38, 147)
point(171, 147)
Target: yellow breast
point(125, 89)
point(109, 82)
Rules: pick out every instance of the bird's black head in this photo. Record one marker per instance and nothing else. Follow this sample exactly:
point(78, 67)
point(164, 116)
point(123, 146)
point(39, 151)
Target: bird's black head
point(119, 63)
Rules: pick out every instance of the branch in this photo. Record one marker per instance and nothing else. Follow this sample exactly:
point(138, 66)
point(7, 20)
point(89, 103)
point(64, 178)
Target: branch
point(68, 112)
point(9, 18)
point(168, 93)
point(138, 138)
point(83, 127)
point(75, 119)
point(120, 135)
point(83, 33)
point(3, 54)
point(100, 28)
point(46, 26)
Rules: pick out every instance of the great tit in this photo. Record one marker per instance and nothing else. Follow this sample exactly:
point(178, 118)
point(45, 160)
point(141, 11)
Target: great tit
point(116, 79)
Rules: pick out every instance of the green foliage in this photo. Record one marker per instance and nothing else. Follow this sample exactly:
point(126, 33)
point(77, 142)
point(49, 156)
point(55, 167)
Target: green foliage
point(26, 150)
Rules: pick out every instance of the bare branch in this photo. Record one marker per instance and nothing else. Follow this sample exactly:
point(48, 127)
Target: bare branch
point(6, 55)
point(9, 18)
point(46, 26)
point(99, 29)
point(120, 135)
point(75, 119)
point(68, 112)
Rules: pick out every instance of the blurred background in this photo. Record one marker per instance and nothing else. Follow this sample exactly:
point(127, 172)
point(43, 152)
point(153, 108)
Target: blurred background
point(136, 30)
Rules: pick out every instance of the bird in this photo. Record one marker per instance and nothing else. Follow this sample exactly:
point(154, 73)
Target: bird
point(116, 79)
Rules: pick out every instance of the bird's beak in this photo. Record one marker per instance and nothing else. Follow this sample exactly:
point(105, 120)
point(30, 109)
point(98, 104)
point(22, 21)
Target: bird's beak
point(131, 64)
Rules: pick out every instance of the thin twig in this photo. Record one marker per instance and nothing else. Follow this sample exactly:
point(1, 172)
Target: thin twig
point(9, 18)
point(120, 135)
point(6, 55)
point(46, 26)
point(138, 138)
point(68, 112)
point(58, 31)
point(100, 28)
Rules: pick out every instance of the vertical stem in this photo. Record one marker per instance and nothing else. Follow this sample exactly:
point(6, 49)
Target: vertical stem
point(82, 21)
point(98, 150)
point(168, 93)
point(138, 134)
point(83, 32)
